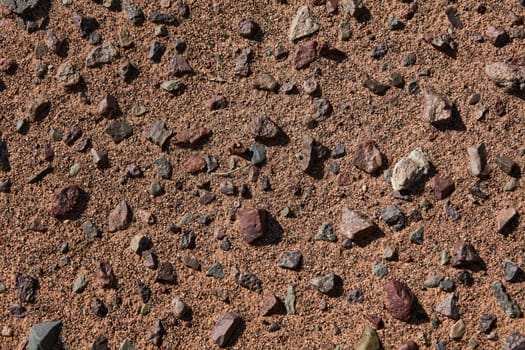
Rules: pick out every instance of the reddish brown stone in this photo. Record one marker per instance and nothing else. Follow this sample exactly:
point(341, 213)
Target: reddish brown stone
point(107, 107)
point(271, 305)
point(224, 329)
point(443, 186)
point(504, 217)
point(194, 165)
point(65, 201)
point(368, 157)
point(105, 275)
point(305, 54)
point(120, 217)
point(191, 136)
point(179, 65)
point(252, 223)
point(217, 102)
point(354, 226)
point(410, 345)
point(343, 179)
point(399, 300)
point(464, 255)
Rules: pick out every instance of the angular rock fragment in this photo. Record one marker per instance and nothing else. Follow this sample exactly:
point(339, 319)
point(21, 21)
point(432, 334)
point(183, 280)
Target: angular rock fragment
point(157, 333)
point(108, 106)
point(38, 108)
point(45, 335)
point(68, 74)
point(290, 260)
point(106, 277)
point(504, 300)
point(448, 307)
point(247, 280)
point(477, 160)
point(515, 341)
point(354, 226)
point(248, 29)
point(325, 284)
point(194, 165)
point(410, 170)
point(506, 164)
point(180, 309)
point(65, 202)
point(465, 255)
point(180, 66)
point(393, 217)
point(442, 42)
point(252, 223)
point(369, 340)
point(305, 54)
point(509, 76)
point(165, 273)
point(262, 127)
point(120, 217)
point(437, 110)
point(497, 36)
point(399, 300)
point(504, 218)
point(217, 102)
point(271, 305)
point(103, 54)
point(266, 82)
point(158, 133)
point(443, 186)
point(224, 330)
point(119, 130)
point(26, 287)
point(375, 86)
point(367, 157)
point(192, 135)
point(303, 24)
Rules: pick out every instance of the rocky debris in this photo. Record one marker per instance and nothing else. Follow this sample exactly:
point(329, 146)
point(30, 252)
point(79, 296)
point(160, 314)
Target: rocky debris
point(66, 201)
point(20, 7)
point(98, 307)
point(326, 232)
point(103, 54)
point(486, 323)
point(224, 330)
point(140, 242)
point(410, 345)
point(355, 226)
point(180, 309)
point(443, 186)
point(464, 255)
point(179, 66)
point(458, 329)
point(252, 223)
point(477, 160)
point(303, 24)
point(370, 339)
point(367, 157)
point(399, 300)
point(194, 165)
point(305, 54)
point(442, 42)
point(290, 260)
point(322, 109)
point(506, 164)
point(266, 82)
point(451, 211)
point(101, 343)
point(375, 86)
point(44, 336)
point(242, 62)
point(26, 287)
point(119, 130)
point(515, 341)
point(156, 50)
point(166, 273)
point(396, 79)
point(157, 333)
point(504, 300)
point(410, 170)
point(120, 217)
point(437, 109)
point(164, 168)
point(192, 135)
point(134, 13)
point(511, 271)
point(80, 284)
point(263, 128)
point(448, 307)
point(417, 236)
point(68, 74)
point(497, 36)
point(324, 284)
point(217, 102)
point(158, 133)
point(271, 305)
point(393, 217)
point(174, 86)
point(504, 218)
point(509, 76)
point(246, 280)
point(352, 8)
point(248, 29)
point(72, 135)
point(216, 270)
point(38, 108)
point(106, 277)
point(108, 106)
point(162, 18)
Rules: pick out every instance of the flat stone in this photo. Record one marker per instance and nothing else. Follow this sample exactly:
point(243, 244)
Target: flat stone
point(410, 170)
point(506, 164)
point(216, 270)
point(486, 323)
point(192, 135)
point(504, 300)
point(194, 165)
point(262, 127)
point(162, 18)
point(68, 74)
point(458, 329)
point(164, 168)
point(375, 86)
point(290, 260)
point(252, 223)
point(38, 108)
point(224, 329)
point(120, 217)
point(354, 226)
point(303, 24)
point(448, 307)
point(443, 186)
point(369, 340)
point(289, 300)
point(511, 271)
point(367, 157)
point(266, 82)
point(26, 287)
point(103, 54)
point(433, 281)
point(393, 217)
point(119, 130)
point(158, 133)
point(437, 109)
point(305, 54)
point(80, 284)
point(44, 336)
point(246, 280)
point(508, 76)
point(504, 218)
point(324, 284)
point(399, 300)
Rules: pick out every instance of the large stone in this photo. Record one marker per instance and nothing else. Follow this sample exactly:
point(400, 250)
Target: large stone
point(246, 280)
point(262, 127)
point(224, 329)
point(369, 340)
point(303, 24)
point(44, 336)
point(119, 130)
point(437, 110)
point(252, 223)
point(399, 300)
point(354, 226)
point(66, 200)
point(103, 54)
point(367, 157)
point(20, 6)
point(410, 170)
point(305, 54)
point(120, 217)
point(509, 76)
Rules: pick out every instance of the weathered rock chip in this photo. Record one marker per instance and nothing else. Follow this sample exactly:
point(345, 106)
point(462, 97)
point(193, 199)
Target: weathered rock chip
point(367, 157)
point(224, 329)
point(120, 217)
point(399, 300)
point(354, 226)
point(410, 170)
point(252, 223)
point(303, 24)
point(437, 110)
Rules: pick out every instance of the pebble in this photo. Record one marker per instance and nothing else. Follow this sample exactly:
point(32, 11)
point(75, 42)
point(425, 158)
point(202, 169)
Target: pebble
point(367, 157)
point(224, 330)
point(248, 29)
point(194, 165)
point(486, 323)
point(289, 301)
point(323, 109)
point(165, 273)
point(399, 300)
point(369, 339)
point(437, 109)
point(448, 307)
point(324, 284)
point(447, 285)
point(303, 24)
point(106, 277)
point(38, 108)
point(90, 230)
point(464, 255)
point(246, 280)
point(511, 185)
point(252, 223)
point(417, 236)
point(408, 60)
point(445, 257)
point(262, 127)
point(326, 232)
point(140, 242)
point(393, 217)
point(134, 13)
point(216, 270)
point(266, 82)
point(515, 341)
point(505, 218)
point(290, 260)
point(395, 23)
point(217, 102)
point(379, 269)
point(180, 309)
point(45, 335)
point(511, 271)
point(98, 307)
point(104, 54)
point(504, 300)
point(174, 86)
point(345, 31)
point(156, 50)
point(68, 74)
point(164, 168)
point(120, 217)
point(396, 79)
point(354, 226)
point(258, 154)
point(356, 296)
point(179, 66)
point(497, 36)
point(161, 31)
point(458, 329)
point(271, 305)
point(101, 343)
point(410, 170)
point(162, 18)
point(80, 284)
point(433, 281)
point(305, 54)
point(375, 86)
point(65, 202)
point(119, 130)
point(379, 51)
point(508, 76)
point(157, 333)
point(506, 164)
point(158, 133)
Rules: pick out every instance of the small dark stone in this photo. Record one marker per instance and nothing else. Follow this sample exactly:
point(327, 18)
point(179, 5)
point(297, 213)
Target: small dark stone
point(134, 13)
point(356, 297)
point(380, 50)
point(486, 323)
point(17, 311)
point(165, 273)
point(156, 51)
point(98, 307)
point(465, 278)
point(26, 287)
point(162, 18)
point(290, 260)
point(144, 291)
point(248, 29)
point(247, 280)
point(393, 217)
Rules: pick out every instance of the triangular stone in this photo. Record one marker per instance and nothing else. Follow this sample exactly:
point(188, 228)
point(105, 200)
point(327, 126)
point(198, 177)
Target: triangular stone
point(44, 336)
point(303, 24)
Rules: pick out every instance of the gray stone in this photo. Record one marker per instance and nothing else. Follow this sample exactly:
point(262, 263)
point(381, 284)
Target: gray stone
point(447, 285)
point(448, 307)
point(375, 86)
point(393, 217)
point(258, 154)
point(103, 54)
point(216, 270)
point(351, 7)
point(164, 168)
point(172, 86)
point(68, 74)
point(90, 230)
point(303, 24)
point(486, 323)
point(325, 284)
point(345, 31)
point(515, 341)
point(20, 6)
point(510, 77)
point(44, 336)
point(410, 170)
point(134, 13)
point(417, 236)
point(396, 79)
point(504, 300)
point(433, 281)
point(180, 309)
point(139, 243)
point(127, 345)
point(511, 271)
point(379, 269)
point(119, 130)
point(100, 158)
point(80, 284)
point(247, 280)
point(506, 164)
point(179, 66)
point(289, 301)
point(326, 232)
point(158, 133)
point(290, 260)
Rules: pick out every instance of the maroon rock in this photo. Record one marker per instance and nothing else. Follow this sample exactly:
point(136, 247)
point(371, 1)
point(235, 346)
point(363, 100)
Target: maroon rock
point(252, 223)
point(305, 54)
point(368, 157)
point(247, 28)
point(26, 287)
point(217, 102)
point(224, 329)
point(66, 200)
point(120, 217)
point(191, 136)
point(497, 36)
point(271, 305)
point(105, 275)
point(108, 107)
point(504, 217)
point(410, 345)
point(464, 255)
point(165, 273)
point(399, 300)
point(179, 66)
point(194, 165)
point(443, 186)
